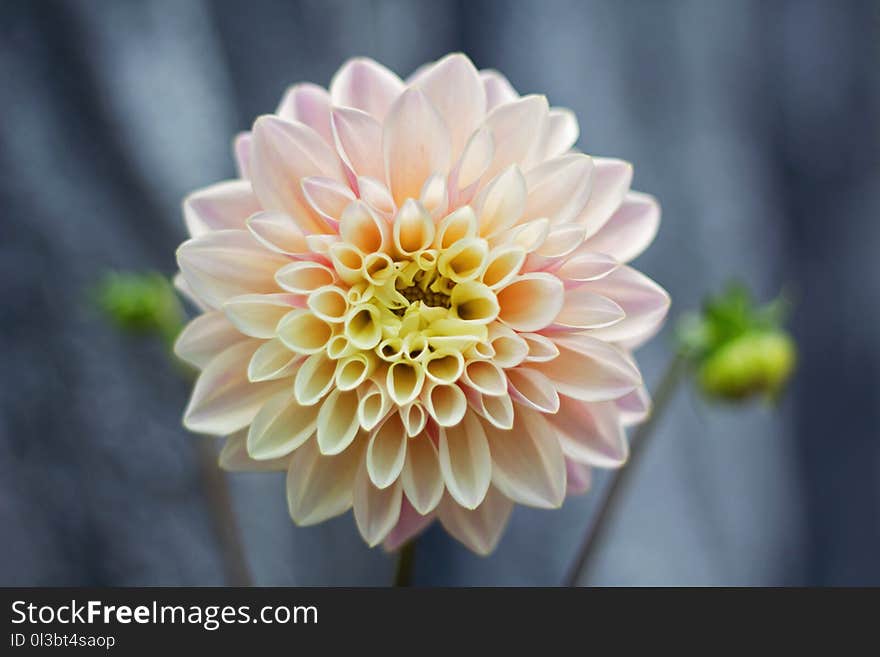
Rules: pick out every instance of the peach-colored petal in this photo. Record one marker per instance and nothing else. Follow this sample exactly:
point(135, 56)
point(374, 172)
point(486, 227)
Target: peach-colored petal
point(366, 85)
point(532, 389)
point(421, 477)
point(376, 510)
point(359, 141)
point(280, 427)
point(205, 337)
point(410, 525)
point(584, 265)
point(644, 302)
point(273, 360)
point(279, 233)
point(527, 463)
point(590, 369)
point(500, 205)
point(630, 229)
point(465, 461)
point(223, 399)
point(531, 302)
point(590, 433)
point(304, 277)
point(283, 153)
point(337, 421)
point(320, 487)
point(222, 206)
point(479, 529)
point(327, 197)
point(227, 263)
point(453, 86)
point(309, 104)
point(415, 144)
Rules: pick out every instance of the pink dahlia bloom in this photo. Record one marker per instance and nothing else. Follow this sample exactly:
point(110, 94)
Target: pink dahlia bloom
point(416, 303)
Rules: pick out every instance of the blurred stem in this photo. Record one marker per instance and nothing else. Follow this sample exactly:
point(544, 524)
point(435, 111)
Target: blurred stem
point(405, 562)
point(623, 477)
point(217, 492)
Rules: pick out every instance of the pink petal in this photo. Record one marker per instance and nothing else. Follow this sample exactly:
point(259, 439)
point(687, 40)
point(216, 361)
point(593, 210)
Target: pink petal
point(590, 433)
point(321, 487)
point(359, 141)
point(635, 407)
point(410, 525)
point(309, 104)
point(579, 478)
point(366, 85)
point(499, 91)
point(376, 510)
point(278, 232)
point(630, 230)
point(583, 309)
point(205, 337)
point(559, 188)
point(481, 528)
point(611, 181)
point(515, 128)
point(223, 206)
point(241, 146)
point(328, 197)
point(415, 143)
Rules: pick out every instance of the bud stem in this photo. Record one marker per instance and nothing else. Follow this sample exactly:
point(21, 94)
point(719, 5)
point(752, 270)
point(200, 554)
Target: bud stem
point(596, 534)
point(405, 562)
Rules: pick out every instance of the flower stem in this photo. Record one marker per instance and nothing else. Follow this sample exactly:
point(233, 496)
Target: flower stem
point(216, 489)
point(596, 534)
point(405, 562)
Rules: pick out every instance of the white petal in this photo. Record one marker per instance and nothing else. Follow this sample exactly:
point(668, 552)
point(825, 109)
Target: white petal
point(272, 361)
point(366, 85)
point(328, 197)
point(479, 529)
point(527, 463)
point(583, 309)
point(630, 230)
point(465, 461)
point(515, 128)
point(561, 132)
point(500, 205)
point(283, 153)
point(227, 263)
point(532, 389)
point(309, 104)
point(454, 87)
point(223, 399)
point(223, 206)
point(498, 89)
point(241, 146)
point(584, 265)
point(279, 233)
point(415, 144)
point(476, 158)
point(376, 510)
point(421, 477)
point(590, 433)
point(205, 337)
point(320, 487)
point(280, 427)
point(589, 369)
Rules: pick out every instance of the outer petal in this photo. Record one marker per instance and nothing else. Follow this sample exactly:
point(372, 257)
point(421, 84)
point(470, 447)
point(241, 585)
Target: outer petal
point(611, 181)
point(561, 131)
point(241, 147)
point(454, 87)
point(234, 457)
point(205, 337)
point(527, 462)
point(283, 153)
point(358, 138)
point(366, 85)
point(479, 529)
point(421, 476)
point(281, 426)
point(644, 302)
point(257, 315)
point(227, 263)
point(386, 452)
point(376, 510)
point(515, 128)
point(590, 369)
point(531, 302)
point(630, 230)
point(309, 104)
point(634, 407)
point(219, 207)
point(579, 477)
point(590, 433)
point(415, 143)
point(499, 91)
point(320, 487)
point(410, 525)
point(465, 461)
point(559, 188)
point(223, 399)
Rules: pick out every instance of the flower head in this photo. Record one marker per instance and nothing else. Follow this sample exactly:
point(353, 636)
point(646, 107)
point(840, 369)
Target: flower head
point(416, 303)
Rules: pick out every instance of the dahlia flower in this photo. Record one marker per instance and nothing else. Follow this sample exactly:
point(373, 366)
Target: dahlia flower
point(415, 302)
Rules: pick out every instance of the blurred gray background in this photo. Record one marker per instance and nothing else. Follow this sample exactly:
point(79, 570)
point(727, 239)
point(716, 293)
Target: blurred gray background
point(754, 122)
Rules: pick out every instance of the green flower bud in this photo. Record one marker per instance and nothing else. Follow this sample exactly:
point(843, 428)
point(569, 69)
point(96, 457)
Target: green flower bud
point(141, 303)
point(758, 363)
